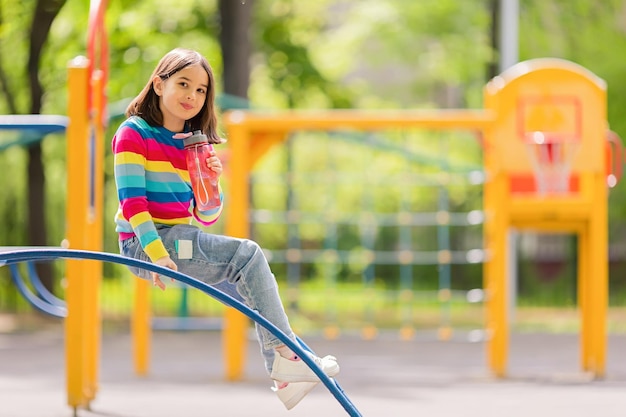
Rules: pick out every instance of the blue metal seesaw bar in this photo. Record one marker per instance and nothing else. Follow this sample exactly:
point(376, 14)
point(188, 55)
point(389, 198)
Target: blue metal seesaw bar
point(9, 257)
point(43, 300)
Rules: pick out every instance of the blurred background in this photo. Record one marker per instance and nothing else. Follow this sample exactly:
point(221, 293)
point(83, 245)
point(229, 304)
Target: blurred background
point(332, 209)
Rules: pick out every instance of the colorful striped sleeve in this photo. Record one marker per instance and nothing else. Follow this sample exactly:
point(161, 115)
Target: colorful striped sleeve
point(130, 160)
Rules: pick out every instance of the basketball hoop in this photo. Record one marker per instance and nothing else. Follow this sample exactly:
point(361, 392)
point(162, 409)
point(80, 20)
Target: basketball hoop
point(551, 157)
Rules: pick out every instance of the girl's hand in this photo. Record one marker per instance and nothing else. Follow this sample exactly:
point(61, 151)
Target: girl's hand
point(214, 163)
point(167, 262)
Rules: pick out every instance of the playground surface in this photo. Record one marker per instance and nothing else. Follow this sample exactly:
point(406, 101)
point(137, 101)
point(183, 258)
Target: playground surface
point(384, 377)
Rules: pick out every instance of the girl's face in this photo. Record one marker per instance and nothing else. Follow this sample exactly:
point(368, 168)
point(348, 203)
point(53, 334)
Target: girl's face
point(182, 96)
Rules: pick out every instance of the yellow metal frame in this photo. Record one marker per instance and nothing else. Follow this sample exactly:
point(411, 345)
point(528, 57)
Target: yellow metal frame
point(76, 297)
point(251, 134)
point(141, 326)
point(83, 231)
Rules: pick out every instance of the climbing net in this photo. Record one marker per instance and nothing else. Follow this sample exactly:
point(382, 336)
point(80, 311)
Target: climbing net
point(374, 230)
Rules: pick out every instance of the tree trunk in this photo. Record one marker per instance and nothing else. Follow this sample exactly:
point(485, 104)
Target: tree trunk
point(235, 44)
point(45, 12)
point(494, 35)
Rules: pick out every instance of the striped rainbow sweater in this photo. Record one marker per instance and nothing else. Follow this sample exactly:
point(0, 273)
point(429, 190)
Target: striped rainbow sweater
point(153, 185)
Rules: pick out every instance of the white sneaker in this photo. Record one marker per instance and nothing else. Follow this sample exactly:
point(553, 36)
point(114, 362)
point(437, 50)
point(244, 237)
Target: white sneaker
point(292, 393)
point(286, 370)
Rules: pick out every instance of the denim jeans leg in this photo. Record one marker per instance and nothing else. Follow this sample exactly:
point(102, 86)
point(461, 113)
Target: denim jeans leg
point(232, 263)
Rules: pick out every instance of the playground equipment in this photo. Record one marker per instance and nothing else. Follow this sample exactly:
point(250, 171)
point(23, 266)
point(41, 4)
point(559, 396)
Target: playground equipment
point(84, 128)
point(85, 157)
point(85, 147)
point(554, 112)
point(330, 239)
point(32, 128)
point(41, 298)
point(11, 257)
point(252, 134)
point(551, 110)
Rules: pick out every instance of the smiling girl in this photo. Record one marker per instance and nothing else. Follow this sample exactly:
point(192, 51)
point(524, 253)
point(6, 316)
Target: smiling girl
point(157, 206)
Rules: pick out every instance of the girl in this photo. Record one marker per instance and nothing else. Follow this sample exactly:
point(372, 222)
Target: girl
point(156, 206)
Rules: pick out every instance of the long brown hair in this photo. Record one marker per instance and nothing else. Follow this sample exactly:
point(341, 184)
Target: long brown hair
point(146, 104)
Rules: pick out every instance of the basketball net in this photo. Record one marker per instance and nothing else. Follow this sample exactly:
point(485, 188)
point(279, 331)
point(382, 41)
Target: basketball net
point(551, 157)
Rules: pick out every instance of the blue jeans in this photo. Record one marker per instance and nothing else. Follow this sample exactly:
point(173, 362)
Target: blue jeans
point(235, 266)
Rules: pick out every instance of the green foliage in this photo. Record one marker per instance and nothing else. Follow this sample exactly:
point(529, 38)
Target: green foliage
point(140, 33)
point(317, 54)
point(383, 53)
point(14, 24)
point(285, 32)
point(419, 51)
point(13, 208)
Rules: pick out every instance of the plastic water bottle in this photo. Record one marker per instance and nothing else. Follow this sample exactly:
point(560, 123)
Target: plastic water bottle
point(204, 180)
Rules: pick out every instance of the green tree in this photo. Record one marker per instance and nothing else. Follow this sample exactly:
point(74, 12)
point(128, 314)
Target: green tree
point(324, 54)
point(235, 45)
point(286, 71)
point(37, 35)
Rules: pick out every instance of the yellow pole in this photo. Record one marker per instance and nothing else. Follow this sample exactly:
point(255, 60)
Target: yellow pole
point(237, 225)
point(76, 214)
point(598, 276)
point(140, 325)
point(497, 223)
point(93, 235)
point(496, 226)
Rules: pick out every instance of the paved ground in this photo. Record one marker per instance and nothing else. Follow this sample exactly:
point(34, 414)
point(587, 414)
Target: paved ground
point(385, 378)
